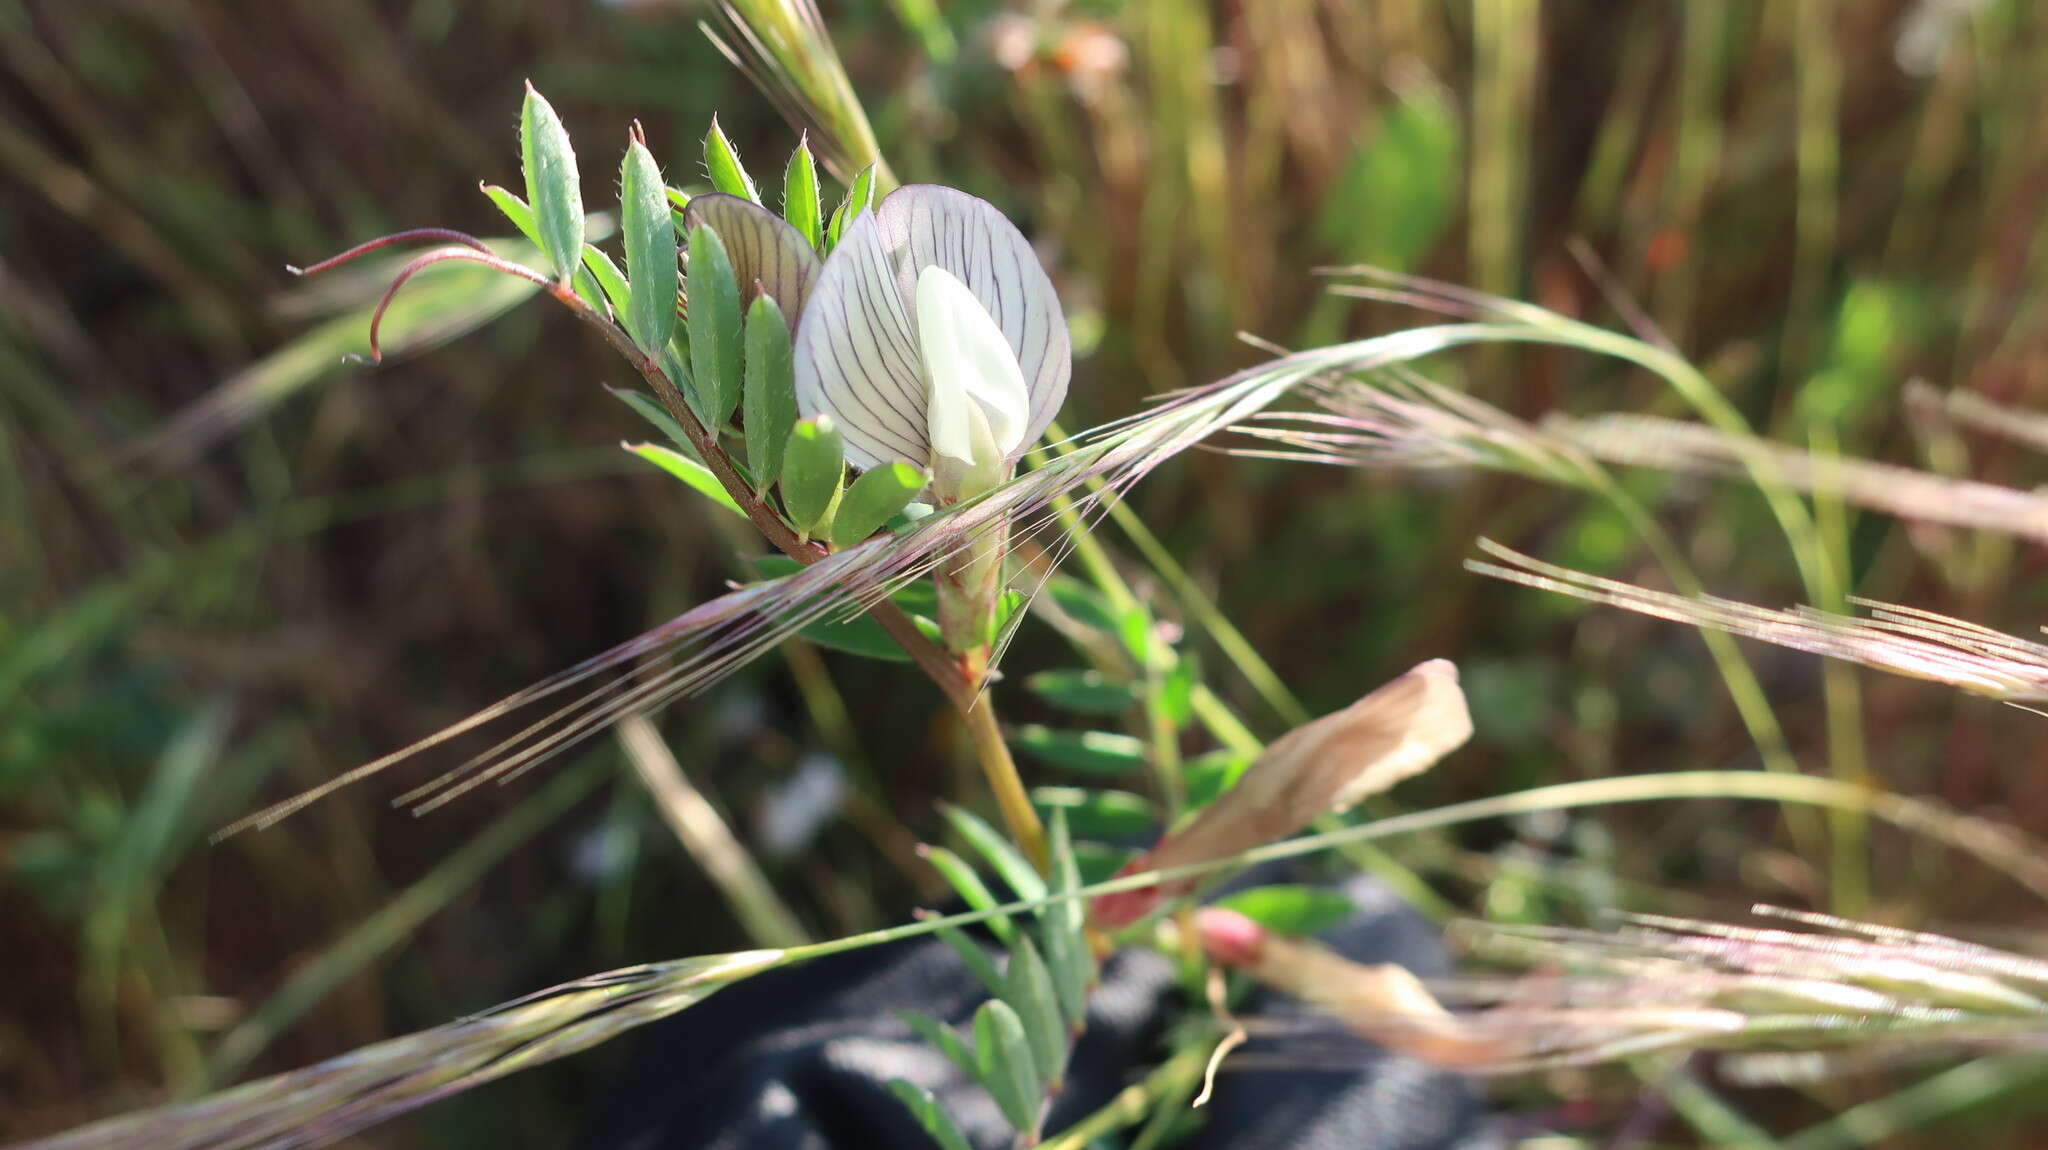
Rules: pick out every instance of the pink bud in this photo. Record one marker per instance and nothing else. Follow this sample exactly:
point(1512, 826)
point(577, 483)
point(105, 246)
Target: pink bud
point(1229, 938)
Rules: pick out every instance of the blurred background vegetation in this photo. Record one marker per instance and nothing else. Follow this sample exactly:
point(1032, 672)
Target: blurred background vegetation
point(231, 565)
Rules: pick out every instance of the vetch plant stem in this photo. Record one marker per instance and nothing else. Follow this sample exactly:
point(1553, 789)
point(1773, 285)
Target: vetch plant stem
point(1019, 816)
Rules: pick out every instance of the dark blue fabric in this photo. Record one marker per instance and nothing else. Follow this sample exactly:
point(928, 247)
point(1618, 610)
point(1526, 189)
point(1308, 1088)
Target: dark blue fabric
point(799, 1059)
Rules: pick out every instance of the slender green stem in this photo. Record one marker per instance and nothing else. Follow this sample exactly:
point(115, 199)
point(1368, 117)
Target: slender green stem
point(1841, 691)
point(1223, 722)
point(703, 832)
point(1752, 703)
point(1004, 782)
point(1159, 729)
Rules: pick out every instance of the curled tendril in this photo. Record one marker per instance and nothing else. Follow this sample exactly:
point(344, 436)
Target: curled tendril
point(405, 237)
point(468, 248)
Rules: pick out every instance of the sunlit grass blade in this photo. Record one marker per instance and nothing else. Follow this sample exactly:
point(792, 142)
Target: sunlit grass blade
point(332, 1100)
point(314, 1105)
point(1671, 445)
point(443, 303)
point(1838, 985)
point(1902, 640)
point(396, 920)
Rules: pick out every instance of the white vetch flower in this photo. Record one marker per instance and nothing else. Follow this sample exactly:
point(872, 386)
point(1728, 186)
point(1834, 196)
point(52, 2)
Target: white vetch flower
point(933, 336)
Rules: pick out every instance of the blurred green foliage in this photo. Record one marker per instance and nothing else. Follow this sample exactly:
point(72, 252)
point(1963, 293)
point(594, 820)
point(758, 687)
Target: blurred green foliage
point(232, 565)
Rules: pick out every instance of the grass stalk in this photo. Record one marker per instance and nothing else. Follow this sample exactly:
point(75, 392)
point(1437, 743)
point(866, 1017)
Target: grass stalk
point(704, 834)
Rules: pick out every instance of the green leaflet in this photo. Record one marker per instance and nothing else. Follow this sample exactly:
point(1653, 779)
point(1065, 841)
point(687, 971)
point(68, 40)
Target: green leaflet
point(929, 1114)
point(689, 471)
point(715, 336)
point(1029, 990)
point(722, 165)
point(875, 498)
point(1003, 1059)
point(1062, 929)
point(516, 210)
point(1099, 814)
point(963, 879)
point(552, 185)
point(650, 237)
point(812, 466)
point(1004, 858)
point(860, 196)
point(599, 267)
point(770, 402)
point(1084, 752)
point(1086, 692)
point(800, 194)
